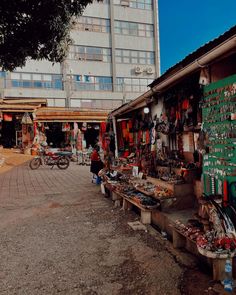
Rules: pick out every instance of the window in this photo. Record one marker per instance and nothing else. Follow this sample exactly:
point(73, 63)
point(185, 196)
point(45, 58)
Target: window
point(134, 56)
point(36, 77)
point(105, 83)
point(38, 84)
point(93, 24)
point(47, 77)
point(92, 83)
point(90, 53)
point(133, 29)
point(132, 84)
point(29, 80)
point(138, 4)
point(15, 75)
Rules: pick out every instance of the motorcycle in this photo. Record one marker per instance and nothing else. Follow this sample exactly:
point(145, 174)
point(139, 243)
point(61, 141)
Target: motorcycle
point(46, 157)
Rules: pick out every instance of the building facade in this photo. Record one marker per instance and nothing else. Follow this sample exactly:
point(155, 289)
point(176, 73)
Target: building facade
point(115, 55)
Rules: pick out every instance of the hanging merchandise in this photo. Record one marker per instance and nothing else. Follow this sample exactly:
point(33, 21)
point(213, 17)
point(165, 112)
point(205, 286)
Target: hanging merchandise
point(7, 117)
point(119, 136)
point(75, 128)
point(26, 119)
point(65, 127)
point(84, 126)
point(219, 137)
point(80, 137)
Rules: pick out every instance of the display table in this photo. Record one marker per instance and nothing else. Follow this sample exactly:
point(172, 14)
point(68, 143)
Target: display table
point(128, 203)
point(183, 195)
point(218, 262)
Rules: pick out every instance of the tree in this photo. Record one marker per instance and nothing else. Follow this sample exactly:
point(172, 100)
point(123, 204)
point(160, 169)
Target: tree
point(37, 29)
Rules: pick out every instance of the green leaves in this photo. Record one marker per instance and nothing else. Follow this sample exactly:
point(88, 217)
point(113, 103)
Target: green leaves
point(36, 29)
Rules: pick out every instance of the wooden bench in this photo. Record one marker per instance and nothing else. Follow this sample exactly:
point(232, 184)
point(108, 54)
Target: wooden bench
point(129, 203)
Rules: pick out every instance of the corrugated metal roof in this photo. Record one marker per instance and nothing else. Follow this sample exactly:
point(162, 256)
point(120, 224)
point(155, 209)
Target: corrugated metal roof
point(195, 55)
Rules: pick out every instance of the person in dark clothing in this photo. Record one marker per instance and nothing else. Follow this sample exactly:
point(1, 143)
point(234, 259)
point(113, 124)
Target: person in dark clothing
point(96, 163)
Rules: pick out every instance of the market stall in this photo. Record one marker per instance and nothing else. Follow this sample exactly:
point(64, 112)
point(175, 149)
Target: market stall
point(180, 136)
point(212, 232)
point(168, 145)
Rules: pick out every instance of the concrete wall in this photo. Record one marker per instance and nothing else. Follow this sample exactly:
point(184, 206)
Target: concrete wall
point(133, 15)
point(97, 10)
point(91, 38)
point(42, 66)
point(134, 42)
point(90, 68)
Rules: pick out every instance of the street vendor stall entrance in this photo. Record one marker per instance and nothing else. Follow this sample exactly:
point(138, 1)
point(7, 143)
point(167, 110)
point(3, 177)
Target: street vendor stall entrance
point(16, 121)
point(76, 129)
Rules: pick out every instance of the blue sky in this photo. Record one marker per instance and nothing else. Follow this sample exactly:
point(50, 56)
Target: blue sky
point(185, 25)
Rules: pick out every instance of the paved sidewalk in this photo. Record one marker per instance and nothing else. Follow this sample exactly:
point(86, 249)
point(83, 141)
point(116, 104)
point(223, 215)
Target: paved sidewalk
point(10, 158)
point(59, 235)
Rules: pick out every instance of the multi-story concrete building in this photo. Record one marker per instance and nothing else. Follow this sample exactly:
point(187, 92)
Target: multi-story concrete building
point(114, 57)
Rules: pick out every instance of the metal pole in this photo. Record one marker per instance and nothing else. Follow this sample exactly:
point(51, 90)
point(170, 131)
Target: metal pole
point(124, 93)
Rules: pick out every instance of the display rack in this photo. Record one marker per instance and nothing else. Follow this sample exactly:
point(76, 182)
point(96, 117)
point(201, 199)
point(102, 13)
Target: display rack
point(219, 125)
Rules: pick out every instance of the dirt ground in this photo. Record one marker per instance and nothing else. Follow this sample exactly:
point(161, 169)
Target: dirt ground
point(59, 235)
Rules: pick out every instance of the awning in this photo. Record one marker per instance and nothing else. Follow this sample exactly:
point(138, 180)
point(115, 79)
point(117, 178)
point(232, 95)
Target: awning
point(21, 105)
point(70, 115)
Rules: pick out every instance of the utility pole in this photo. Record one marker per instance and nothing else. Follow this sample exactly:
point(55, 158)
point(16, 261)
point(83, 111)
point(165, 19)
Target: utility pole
point(67, 83)
point(124, 93)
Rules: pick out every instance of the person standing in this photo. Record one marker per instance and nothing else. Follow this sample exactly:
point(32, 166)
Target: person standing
point(96, 163)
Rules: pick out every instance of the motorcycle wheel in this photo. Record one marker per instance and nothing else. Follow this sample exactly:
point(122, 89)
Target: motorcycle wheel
point(63, 163)
point(35, 163)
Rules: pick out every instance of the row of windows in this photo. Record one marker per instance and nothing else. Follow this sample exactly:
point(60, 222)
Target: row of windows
point(135, 57)
point(133, 29)
point(79, 82)
point(28, 80)
point(93, 24)
point(92, 83)
point(90, 53)
point(132, 84)
point(139, 4)
point(85, 82)
point(120, 27)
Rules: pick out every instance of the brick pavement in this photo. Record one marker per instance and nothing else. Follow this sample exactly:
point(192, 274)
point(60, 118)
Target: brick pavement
point(22, 188)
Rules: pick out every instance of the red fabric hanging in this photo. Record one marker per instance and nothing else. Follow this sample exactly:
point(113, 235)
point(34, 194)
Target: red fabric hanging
point(225, 193)
point(130, 125)
point(131, 138)
point(185, 104)
point(103, 127)
point(119, 136)
point(139, 136)
point(35, 128)
point(147, 137)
